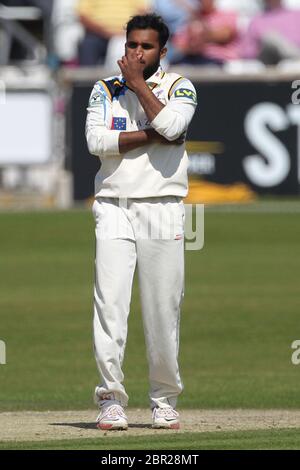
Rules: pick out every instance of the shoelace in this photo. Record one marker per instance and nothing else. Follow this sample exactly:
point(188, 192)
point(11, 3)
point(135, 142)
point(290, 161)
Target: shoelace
point(113, 411)
point(167, 412)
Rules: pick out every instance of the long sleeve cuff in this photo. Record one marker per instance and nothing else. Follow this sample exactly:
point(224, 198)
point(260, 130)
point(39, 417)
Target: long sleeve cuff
point(111, 143)
point(104, 143)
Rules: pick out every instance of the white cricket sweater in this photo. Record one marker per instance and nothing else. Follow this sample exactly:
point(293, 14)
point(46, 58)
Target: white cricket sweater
point(152, 170)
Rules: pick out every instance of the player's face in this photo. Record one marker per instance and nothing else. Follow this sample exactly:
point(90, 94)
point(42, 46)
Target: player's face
point(207, 6)
point(271, 4)
point(144, 44)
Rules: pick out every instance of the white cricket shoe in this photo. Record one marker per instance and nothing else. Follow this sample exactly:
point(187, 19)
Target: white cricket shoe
point(166, 418)
point(112, 417)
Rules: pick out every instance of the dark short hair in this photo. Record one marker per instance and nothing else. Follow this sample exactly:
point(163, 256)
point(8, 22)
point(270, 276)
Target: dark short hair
point(150, 21)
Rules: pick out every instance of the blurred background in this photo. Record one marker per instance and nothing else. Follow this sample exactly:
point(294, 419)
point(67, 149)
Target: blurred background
point(243, 57)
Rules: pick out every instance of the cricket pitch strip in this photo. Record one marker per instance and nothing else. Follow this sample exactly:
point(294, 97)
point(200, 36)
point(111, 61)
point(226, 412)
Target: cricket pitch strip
point(55, 425)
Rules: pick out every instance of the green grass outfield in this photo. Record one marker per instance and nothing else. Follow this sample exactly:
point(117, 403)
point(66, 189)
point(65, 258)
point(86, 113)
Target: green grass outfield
point(239, 318)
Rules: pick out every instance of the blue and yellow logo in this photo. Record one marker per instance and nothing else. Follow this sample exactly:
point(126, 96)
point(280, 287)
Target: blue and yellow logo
point(185, 93)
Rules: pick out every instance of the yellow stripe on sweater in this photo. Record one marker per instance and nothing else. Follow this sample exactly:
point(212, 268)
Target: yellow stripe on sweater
point(172, 87)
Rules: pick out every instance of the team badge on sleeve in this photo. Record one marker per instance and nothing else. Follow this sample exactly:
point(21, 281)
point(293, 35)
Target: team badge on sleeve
point(96, 99)
point(186, 93)
point(119, 123)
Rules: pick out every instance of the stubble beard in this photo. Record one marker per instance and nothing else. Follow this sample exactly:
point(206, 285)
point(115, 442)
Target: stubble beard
point(150, 69)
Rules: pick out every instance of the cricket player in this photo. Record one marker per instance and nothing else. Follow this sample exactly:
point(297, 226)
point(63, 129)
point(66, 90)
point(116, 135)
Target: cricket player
point(136, 124)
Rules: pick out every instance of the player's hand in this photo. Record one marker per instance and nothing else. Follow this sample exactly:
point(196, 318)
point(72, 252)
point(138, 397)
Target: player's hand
point(178, 141)
point(132, 68)
point(156, 137)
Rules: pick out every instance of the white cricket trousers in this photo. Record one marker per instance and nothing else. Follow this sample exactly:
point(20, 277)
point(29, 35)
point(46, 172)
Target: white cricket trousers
point(149, 233)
